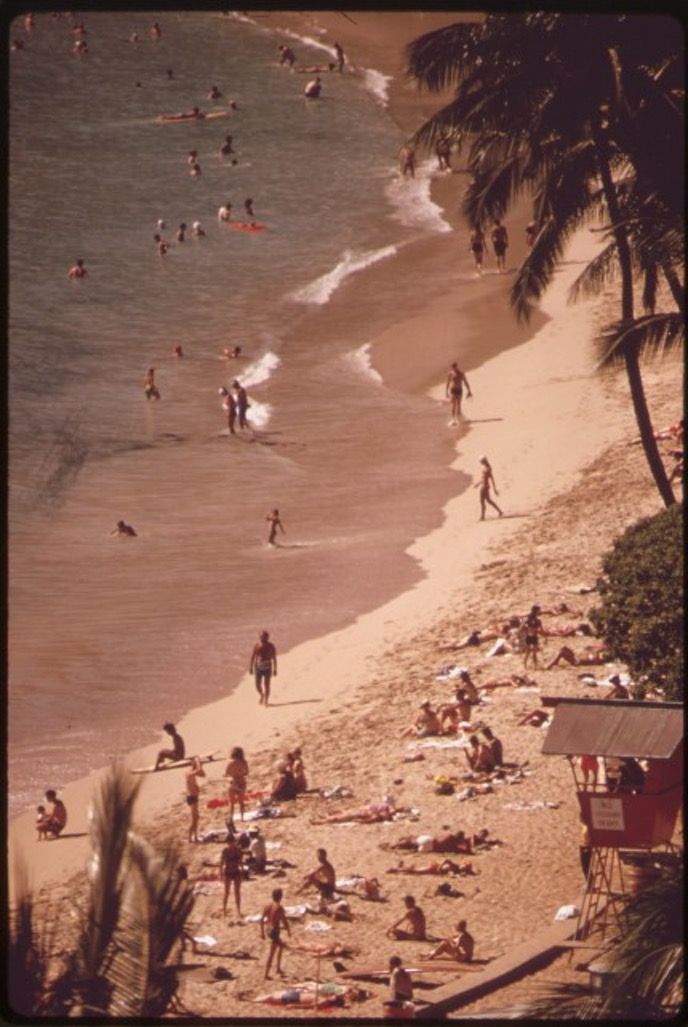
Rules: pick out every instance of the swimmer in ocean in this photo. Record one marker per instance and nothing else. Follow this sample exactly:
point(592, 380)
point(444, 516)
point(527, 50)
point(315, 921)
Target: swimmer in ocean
point(248, 207)
point(178, 352)
point(287, 55)
point(225, 212)
point(275, 523)
point(149, 387)
point(181, 232)
point(226, 147)
point(78, 271)
point(313, 89)
point(163, 247)
point(198, 230)
point(195, 169)
point(242, 403)
point(214, 93)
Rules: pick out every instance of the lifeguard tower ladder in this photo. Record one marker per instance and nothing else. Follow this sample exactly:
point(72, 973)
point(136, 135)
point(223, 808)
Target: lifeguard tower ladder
point(630, 826)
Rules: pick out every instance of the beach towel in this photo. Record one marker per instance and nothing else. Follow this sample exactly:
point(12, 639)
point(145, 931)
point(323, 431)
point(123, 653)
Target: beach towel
point(449, 672)
point(438, 743)
point(263, 813)
point(207, 888)
point(338, 792)
point(536, 804)
point(205, 939)
point(566, 912)
point(291, 912)
point(317, 926)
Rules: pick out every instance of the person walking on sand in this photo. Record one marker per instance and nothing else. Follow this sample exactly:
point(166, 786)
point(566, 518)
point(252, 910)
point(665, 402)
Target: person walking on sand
point(237, 772)
point(231, 871)
point(177, 752)
point(193, 792)
point(486, 482)
point(339, 56)
point(407, 160)
point(456, 380)
point(275, 523)
point(500, 242)
point(263, 664)
point(478, 247)
point(275, 919)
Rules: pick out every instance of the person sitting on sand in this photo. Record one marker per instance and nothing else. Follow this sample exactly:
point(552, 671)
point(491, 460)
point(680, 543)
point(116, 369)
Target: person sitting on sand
point(425, 723)
point(459, 947)
point(482, 840)
point(373, 813)
point(42, 819)
point(283, 787)
point(56, 820)
point(619, 691)
point(592, 656)
point(414, 917)
point(447, 866)
point(177, 752)
point(457, 712)
point(295, 763)
point(478, 756)
point(400, 983)
point(257, 858)
point(122, 528)
point(494, 746)
point(323, 877)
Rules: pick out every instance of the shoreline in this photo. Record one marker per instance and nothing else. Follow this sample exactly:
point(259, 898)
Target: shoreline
point(544, 392)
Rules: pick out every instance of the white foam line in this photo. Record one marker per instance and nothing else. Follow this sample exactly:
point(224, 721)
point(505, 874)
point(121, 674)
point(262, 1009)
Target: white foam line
point(319, 291)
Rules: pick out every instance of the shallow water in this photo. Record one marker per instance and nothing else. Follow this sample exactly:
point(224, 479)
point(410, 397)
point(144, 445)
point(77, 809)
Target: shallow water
point(109, 637)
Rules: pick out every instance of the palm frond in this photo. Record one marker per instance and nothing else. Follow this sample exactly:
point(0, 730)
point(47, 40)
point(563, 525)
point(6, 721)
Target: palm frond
point(437, 59)
point(650, 336)
point(594, 278)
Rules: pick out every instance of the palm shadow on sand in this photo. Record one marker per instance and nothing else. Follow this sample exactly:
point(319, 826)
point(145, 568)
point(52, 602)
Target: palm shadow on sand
point(294, 702)
point(72, 834)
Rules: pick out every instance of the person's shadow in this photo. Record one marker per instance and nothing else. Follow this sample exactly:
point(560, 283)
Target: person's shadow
point(294, 702)
point(73, 834)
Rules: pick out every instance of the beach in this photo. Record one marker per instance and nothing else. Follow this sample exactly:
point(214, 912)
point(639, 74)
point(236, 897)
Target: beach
point(557, 436)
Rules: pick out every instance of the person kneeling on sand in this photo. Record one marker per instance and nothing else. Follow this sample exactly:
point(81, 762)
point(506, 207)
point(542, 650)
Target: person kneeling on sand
point(426, 723)
point(414, 917)
point(177, 752)
point(459, 947)
point(56, 821)
point(322, 878)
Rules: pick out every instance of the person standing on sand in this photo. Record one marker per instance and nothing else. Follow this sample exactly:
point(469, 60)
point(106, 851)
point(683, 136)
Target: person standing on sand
point(456, 380)
point(193, 792)
point(275, 918)
point(400, 983)
point(237, 772)
point(275, 523)
point(478, 247)
point(500, 242)
point(263, 664)
point(339, 55)
point(231, 871)
point(486, 481)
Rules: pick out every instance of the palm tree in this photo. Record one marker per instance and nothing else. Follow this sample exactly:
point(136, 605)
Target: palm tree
point(137, 906)
point(561, 106)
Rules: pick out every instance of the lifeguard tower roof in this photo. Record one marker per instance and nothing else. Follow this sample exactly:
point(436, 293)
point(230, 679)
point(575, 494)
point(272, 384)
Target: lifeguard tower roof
point(613, 727)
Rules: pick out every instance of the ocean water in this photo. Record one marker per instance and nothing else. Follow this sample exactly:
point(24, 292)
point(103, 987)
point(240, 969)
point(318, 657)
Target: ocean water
point(109, 637)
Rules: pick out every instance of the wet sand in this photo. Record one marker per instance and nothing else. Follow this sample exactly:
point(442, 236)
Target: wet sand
point(555, 434)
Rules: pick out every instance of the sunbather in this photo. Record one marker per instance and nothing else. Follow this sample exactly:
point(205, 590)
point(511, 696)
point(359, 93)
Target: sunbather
point(536, 718)
point(592, 656)
point(514, 681)
point(473, 638)
point(445, 841)
point(447, 866)
point(459, 947)
point(373, 813)
point(414, 917)
point(425, 723)
point(568, 630)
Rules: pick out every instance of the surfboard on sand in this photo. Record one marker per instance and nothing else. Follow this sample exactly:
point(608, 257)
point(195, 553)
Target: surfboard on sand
point(207, 757)
point(414, 966)
point(247, 226)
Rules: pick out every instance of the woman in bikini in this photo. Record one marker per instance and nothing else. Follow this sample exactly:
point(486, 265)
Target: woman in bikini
point(231, 871)
point(237, 772)
point(486, 481)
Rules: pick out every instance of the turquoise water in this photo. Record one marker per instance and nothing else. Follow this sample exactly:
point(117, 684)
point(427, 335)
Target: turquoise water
point(109, 637)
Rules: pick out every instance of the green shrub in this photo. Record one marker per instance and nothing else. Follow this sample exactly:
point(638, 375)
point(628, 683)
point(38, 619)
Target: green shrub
point(641, 610)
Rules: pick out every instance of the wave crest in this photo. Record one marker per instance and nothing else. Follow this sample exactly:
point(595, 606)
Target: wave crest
point(319, 291)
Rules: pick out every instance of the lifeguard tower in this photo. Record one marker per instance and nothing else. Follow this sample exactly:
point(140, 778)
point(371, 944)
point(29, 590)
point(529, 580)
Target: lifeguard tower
point(627, 764)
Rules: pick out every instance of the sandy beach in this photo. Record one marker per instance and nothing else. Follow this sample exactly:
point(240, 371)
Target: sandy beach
point(557, 436)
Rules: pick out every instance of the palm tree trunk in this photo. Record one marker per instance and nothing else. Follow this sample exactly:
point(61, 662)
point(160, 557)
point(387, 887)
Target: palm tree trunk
point(675, 286)
point(631, 356)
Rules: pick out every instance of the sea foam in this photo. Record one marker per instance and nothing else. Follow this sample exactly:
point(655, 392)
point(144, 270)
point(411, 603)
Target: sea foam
point(413, 206)
point(377, 84)
point(319, 291)
point(260, 370)
point(360, 360)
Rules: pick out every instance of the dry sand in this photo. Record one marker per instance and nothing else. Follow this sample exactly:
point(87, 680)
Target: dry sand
point(556, 435)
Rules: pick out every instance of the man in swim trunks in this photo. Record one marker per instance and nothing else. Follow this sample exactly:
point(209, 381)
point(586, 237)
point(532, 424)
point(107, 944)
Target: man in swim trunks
point(56, 820)
point(323, 877)
point(287, 56)
point(478, 248)
point(275, 523)
point(263, 664)
point(414, 917)
point(500, 242)
point(177, 751)
point(460, 947)
point(242, 403)
point(275, 918)
point(225, 212)
point(313, 89)
point(456, 380)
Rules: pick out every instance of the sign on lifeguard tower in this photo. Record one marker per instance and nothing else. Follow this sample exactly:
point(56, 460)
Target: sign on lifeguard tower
point(606, 814)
